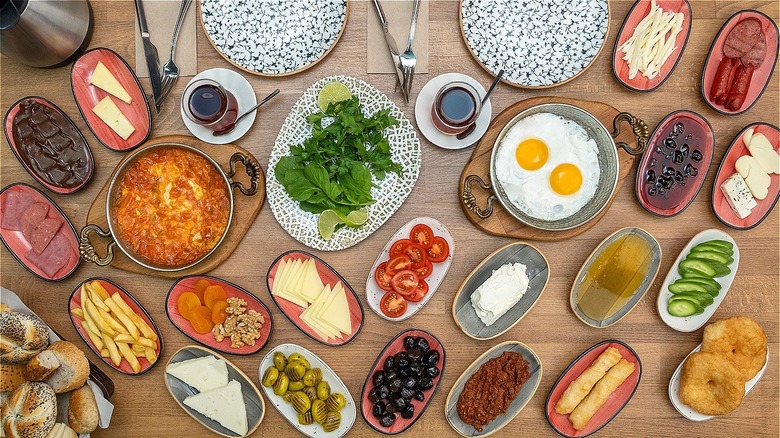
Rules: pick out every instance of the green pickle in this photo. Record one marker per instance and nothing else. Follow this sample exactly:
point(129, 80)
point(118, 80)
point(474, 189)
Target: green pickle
point(305, 418)
point(281, 385)
point(323, 390)
point(300, 402)
point(296, 385)
point(335, 402)
point(280, 362)
point(332, 421)
point(270, 376)
point(319, 411)
point(312, 377)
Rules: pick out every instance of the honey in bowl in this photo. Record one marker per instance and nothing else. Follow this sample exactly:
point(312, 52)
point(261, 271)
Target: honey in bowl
point(614, 276)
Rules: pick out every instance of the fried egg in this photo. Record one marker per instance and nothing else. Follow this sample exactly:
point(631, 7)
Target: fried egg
point(548, 166)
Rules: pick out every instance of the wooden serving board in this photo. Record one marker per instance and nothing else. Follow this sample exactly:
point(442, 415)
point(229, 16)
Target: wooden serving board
point(246, 208)
point(501, 222)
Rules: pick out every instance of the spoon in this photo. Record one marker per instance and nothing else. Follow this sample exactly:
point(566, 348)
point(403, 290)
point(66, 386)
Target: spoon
point(473, 126)
point(229, 128)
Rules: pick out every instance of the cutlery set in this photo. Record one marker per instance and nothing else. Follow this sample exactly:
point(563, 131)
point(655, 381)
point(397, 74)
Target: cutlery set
point(404, 62)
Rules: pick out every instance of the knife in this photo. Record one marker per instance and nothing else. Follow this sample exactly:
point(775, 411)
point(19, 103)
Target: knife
point(391, 44)
point(150, 52)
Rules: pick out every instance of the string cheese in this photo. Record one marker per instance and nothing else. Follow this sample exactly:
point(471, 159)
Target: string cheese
point(653, 42)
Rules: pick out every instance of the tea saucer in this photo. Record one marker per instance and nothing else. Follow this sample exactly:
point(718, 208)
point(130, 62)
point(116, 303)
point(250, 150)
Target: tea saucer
point(422, 113)
point(245, 96)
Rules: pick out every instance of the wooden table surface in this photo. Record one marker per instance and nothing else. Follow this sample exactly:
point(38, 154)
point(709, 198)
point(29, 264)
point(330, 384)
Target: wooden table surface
point(142, 404)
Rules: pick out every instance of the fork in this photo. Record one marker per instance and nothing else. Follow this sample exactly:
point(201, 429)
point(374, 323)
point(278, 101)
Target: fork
point(408, 59)
point(170, 69)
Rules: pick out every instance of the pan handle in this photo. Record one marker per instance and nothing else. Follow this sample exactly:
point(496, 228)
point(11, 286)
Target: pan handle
point(253, 170)
point(88, 252)
point(470, 201)
point(641, 132)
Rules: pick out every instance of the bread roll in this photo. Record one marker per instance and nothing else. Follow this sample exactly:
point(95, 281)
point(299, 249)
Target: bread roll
point(11, 376)
point(30, 411)
point(83, 411)
point(41, 366)
point(73, 370)
point(22, 336)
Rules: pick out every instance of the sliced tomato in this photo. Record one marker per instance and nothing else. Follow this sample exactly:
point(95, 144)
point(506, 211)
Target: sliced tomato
point(399, 247)
point(425, 270)
point(398, 263)
point(422, 235)
point(382, 278)
point(416, 254)
point(405, 282)
point(439, 250)
point(419, 293)
point(393, 305)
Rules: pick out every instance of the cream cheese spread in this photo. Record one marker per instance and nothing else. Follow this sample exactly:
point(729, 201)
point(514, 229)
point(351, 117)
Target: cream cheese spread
point(500, 292)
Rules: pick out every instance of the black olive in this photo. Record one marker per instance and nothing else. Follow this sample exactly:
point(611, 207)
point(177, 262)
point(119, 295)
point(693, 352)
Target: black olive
point(685, 150)
point(431, 358)
point(678, 176)
point(425, 383)
point(419, 395)
point(383, 392)
point(422, 344)
point(414, 355)
point(410, 382)
point(652, 191)
point(432, 372)
point(379, 378)
point(387, 420)
point(696, 155)
point(390, 409)
point(690, 170)
point(404, 373)
point(395, 385)
point(408, 342)
point(678, 157)
point(378, 409)
point(400, 403)
point(650, 175)
point(373, 395)
point(407, 393)
point(390, 375)
point(401, 360)
point(670, 143)
point(415, 369)
point(407, 412)
point(389, 363)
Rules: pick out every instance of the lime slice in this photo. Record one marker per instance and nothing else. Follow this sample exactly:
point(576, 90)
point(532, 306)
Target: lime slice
point(354, 219)
point(327, 223)
point(332, 92)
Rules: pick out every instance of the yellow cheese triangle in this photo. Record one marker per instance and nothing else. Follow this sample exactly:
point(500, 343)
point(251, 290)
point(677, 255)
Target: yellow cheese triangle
point(337, 313)
point(296, 266)
point(297, 287)
point(329, 299)
point(102, 78)
point(278, 276)
point(312, 284)
point(108, 112)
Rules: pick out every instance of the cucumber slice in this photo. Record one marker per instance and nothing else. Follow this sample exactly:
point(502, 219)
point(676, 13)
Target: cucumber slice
point(721, 270)
point(693, 273)
point(681, 308)
point(683, 287)
point(707, 282)
point(703, 298)
point(724, 243)
point(697, 265)
point(710, 247)
point(687, 299)
point(711, 255)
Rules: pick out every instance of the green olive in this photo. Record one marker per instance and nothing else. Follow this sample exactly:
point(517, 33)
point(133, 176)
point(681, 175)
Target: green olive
point(311, 392)
point(295, 370)
point(312, 377)
point(270, 376)
point(335, 401)
point(300, 402)
point(280, 361)
point(319, 411)
point(295, 385)
point(332, 421)
point(304, 362)
point(323, 390)
point(288, 396)
point(305, 418)
point(281, 385)
point(294, 356)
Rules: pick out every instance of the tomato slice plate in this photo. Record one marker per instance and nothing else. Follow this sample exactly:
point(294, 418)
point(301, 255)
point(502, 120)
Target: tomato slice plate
point(416, 254)
point(419, 293)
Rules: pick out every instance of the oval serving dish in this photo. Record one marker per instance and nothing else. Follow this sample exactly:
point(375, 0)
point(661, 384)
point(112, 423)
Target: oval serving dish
point(348, 412)
point(87, 96)
point(61, 256)
point(720, 205)
point(538, 272)
point(374, 293)
point(112, 288)
point(605, 303)
point(688, 412)
point(255, 406)
point(694, 322)
point(62, 189)
point(396, 345)
point(636, 14)
point(687, 175)
point(527, 391)
point(293, 311)
point(187, 284)
point(614, 404)
point(761, 75)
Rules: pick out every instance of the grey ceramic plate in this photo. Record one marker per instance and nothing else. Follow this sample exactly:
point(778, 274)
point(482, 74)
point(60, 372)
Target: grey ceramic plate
point(628, 306)
point(538, 272)
point(526, 391)
point(255, 406)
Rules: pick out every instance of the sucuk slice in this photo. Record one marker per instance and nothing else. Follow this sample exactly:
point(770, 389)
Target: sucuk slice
point(711, 256)
point(682, 308)
point(693, 265)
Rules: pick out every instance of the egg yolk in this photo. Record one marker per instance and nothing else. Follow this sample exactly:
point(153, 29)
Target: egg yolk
point(531, 154)
point(566, 179)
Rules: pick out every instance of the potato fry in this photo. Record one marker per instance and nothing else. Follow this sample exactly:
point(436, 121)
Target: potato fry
point(113, 351)
point(147, 331)
point(123, 318)
point(99, 289)
point(151, 355)
point(97, 341)
point(127, 352)
point(104, 352)
point(147, 343)
point(78, 313)
point(97, 319)
point(119, 328)
point(139, 349)
point(95, 298)
point(124, 337)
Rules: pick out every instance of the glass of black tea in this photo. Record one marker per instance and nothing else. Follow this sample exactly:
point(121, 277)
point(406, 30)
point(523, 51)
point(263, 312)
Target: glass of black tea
point(209, 104)
point(456, 106)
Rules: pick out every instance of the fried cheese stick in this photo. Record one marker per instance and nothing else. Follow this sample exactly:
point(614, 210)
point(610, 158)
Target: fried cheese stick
point(582, 385)
point(598, 396)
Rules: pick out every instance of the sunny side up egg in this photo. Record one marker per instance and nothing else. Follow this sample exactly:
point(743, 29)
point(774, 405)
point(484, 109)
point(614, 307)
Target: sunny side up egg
point(548, 166)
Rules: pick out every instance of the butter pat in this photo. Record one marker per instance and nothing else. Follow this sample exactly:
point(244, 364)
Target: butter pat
point(500, 292)
point(108, 112)
point(103, 79)
point(203, 373)
point(224, 405)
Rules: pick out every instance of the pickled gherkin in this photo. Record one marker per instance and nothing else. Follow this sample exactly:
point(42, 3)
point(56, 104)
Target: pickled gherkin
point(295, 370)
point(296, 385)
point(300, 402)
point(305, 418)
point(312, 377)
point(311, 392)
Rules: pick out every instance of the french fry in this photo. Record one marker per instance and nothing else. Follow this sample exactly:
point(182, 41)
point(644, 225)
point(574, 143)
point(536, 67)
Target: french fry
point(147, 343)
point(95, 298)
point(145, 329)
point(100, 290)
point(127, 352)
point(78, 313)
point(123, 318)
point(119, 328)
point(104, 352)
point(97, 341)
point(139, 350)
point(97, 319)
point(124, 337)
point(113, 351)
point(151, 356)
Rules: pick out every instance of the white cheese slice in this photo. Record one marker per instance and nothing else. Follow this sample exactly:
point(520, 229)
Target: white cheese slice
point(102, 78)
point(312, 284)
point(755, 177)
point(225, 405)
point(278, 276)
point(202, 373)
point(499, 293)
point(337, 313)
point(738, 196)
point(763, 151)
point(108, 112)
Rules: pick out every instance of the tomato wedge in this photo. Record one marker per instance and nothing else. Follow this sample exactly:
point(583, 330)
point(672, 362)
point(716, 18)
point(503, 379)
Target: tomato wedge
point(425, 270)
point(382, 278)
point(416, 254)
point(419, 293)
point(398, 263)
point(399, 247)
point(422, 235)
point(405, 282)
point(393, 305)
point(439, 250)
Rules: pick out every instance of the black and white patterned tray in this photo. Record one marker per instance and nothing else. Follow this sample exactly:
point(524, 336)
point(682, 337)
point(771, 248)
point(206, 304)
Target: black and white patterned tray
point(538, 43)
point(273, 37)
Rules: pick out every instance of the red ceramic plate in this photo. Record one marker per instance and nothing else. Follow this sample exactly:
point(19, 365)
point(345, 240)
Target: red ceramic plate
point(111, 288)
point(761, 75)
point(614, 404)
point(697, 134)
point(329, 276)
point(8, 128)
point(639, 11)
point(720, 206)
point(393, 347)
point(66, 249)
point(187, 284)
point(87, 96)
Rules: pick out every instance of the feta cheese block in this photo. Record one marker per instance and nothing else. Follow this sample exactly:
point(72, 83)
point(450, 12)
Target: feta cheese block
point(202, 373)
point(110, 114)
point(737, 194)
point(500, 292)
point(225, 405)
point(103, 79)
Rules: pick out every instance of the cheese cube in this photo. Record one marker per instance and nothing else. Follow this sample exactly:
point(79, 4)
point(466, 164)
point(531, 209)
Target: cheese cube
point(738, 195)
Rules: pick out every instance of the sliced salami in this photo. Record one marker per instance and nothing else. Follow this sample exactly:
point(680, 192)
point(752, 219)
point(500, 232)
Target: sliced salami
point(742, 38)
point(44, 232)
point(32, 217)
point(15, 205)
point(54, 257)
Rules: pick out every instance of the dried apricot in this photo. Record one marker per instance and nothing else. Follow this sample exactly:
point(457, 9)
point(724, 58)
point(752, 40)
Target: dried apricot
point(213, 294)
point(201, 319)
point(218, 313)
point(186, 302)
point(200, 288)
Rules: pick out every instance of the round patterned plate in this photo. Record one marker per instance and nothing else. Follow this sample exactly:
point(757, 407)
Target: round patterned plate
point(539, 44)
point(389, 193)
point(273, 37)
